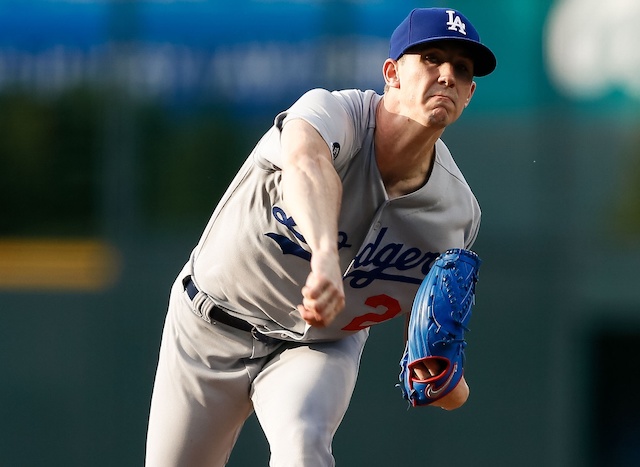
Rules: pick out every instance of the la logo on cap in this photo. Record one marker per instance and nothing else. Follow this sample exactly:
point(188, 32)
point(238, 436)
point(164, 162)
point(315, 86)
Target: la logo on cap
point(455, 23)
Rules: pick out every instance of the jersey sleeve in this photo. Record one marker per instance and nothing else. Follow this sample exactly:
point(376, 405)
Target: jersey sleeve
point(331, 117)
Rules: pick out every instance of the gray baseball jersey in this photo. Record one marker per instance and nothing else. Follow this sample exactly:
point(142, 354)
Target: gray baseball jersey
point(253, 261)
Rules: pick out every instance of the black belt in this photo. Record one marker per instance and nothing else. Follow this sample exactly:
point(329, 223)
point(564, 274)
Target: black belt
point(219, 315)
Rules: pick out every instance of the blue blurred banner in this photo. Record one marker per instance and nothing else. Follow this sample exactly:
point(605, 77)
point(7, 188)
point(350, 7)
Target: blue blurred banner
point(260, 53)
point(250, 53)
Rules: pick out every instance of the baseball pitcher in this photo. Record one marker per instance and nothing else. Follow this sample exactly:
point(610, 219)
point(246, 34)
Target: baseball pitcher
point(336, 219)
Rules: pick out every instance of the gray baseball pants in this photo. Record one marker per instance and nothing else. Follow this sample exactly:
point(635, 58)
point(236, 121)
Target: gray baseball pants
point(211, 377)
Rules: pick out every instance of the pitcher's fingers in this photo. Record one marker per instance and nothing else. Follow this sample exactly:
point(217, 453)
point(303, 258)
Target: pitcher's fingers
point(311, 317)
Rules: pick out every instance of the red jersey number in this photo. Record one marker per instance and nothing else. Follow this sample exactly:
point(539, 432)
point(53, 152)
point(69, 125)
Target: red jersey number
point(392, 309)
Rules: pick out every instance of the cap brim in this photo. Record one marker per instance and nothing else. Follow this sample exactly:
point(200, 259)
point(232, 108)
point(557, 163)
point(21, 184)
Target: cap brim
point(484, 61)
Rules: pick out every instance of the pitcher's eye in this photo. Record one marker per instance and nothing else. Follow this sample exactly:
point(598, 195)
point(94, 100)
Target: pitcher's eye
point(431, 58)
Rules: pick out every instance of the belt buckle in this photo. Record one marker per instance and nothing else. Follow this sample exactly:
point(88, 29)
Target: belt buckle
point(257, 335)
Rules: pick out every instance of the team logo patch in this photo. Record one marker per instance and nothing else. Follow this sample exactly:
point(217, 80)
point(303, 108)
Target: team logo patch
point(455, 23)
point(335, 150)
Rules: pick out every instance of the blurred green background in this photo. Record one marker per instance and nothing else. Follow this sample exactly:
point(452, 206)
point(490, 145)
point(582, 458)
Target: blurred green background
point(121, 123)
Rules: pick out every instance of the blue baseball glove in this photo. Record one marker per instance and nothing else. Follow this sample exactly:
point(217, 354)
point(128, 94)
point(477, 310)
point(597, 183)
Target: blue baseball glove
point(439, 318)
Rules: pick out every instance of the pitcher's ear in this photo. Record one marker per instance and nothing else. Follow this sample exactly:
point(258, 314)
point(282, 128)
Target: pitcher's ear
point(390, 73)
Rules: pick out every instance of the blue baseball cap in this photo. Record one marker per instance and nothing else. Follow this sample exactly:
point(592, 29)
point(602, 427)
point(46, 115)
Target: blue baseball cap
point(424, 25)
